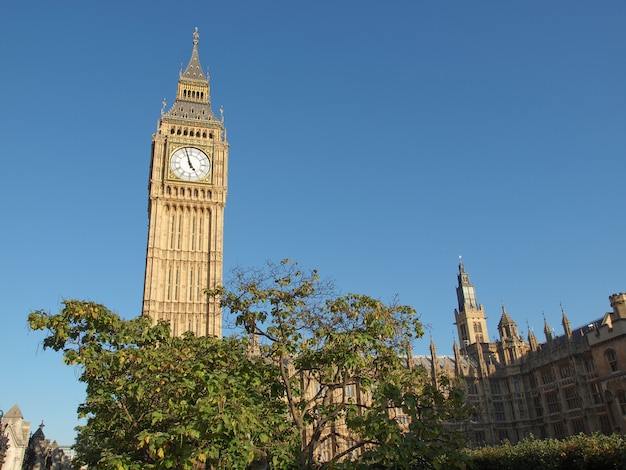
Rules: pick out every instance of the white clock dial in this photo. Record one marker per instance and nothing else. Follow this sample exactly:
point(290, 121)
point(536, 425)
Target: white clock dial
point(190, 164)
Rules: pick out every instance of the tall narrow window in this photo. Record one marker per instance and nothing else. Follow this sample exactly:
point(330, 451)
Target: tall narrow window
point(611, 357)
point(176, 284)
point(169, 282)
point(193, 232)
point(200, 232)
point(198, 284)
point(191, 284)
point(171, 232)
point(180, 231)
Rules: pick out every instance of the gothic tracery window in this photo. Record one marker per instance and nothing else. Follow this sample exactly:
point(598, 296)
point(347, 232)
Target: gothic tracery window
point(611, 357)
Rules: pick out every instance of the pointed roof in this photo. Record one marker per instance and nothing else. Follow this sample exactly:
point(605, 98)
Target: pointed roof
point(505, 319)
point(532, 339)
point(14, 413)
point(194, 69)
point(193, 96)
point(546, 329)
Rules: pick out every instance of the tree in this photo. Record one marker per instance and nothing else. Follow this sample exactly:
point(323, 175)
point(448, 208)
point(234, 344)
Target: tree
point(155, 401)
point(346, 369)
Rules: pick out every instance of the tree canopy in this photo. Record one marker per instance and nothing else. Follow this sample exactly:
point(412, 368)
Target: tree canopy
point(155, 401)
point(346, 368)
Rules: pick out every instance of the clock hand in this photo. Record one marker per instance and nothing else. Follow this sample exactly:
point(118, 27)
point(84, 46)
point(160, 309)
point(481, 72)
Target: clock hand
point(189, 161)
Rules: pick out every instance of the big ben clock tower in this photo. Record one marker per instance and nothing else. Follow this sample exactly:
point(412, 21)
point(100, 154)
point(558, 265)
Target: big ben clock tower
point(187, 195)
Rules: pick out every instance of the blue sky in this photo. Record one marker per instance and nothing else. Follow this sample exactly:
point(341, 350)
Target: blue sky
point(373, 141)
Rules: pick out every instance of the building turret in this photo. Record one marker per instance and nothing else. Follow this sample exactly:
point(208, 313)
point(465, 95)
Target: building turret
point(507, 327)
point(470, 317)
point(618, 303)
point(512, 346)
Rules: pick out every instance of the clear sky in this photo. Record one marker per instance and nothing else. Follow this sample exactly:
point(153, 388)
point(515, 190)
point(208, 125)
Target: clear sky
point(374, 141)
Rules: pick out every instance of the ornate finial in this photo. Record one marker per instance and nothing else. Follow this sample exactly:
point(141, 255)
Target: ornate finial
point(163, 104)
point(196, 36)
point(222, 113)
point(41, 426)
point(562, 310)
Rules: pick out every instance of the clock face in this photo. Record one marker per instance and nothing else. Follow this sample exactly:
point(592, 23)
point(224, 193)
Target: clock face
point(190, 164)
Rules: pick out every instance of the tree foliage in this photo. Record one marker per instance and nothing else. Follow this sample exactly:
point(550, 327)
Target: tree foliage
point(346, 368)
point(156, 401)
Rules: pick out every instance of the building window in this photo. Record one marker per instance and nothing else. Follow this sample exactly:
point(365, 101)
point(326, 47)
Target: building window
point(578, 424)
point(350, 391)
point(503, 435)
point(538, 406)
point(553, 402)
point(547, 376)
point(589, 365)
point(565, 371)
point(611, 357)
point(596, 393)
point(472, 388)
point(495, 387)
point(522, 410)
point(325, 450)
point(572, 397)
point(605, 425)
point(498, 408)
point(559, 430)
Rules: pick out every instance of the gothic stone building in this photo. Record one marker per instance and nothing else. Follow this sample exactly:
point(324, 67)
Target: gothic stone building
point(572, 383)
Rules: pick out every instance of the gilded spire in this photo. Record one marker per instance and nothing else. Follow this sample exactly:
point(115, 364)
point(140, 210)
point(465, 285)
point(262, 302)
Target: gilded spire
point(193, 100)
point(194, 69)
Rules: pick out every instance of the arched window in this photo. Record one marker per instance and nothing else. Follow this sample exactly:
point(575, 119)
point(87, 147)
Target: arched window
point(611, 357)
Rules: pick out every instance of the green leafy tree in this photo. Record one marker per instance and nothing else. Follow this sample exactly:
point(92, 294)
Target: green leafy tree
point(155, 401)
point(346, 370)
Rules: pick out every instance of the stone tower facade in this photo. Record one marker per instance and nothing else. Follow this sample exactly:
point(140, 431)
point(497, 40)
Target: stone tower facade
point(187, 196)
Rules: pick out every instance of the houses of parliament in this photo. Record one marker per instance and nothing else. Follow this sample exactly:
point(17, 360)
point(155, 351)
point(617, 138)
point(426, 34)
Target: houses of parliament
point(569, 383)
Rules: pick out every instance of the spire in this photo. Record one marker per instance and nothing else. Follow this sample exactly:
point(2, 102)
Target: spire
point(547, 330)
point(457, 359)
point(193, 97)
point(532, 340)
point(567, 328)
point(433, 361)
point(194, 69)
